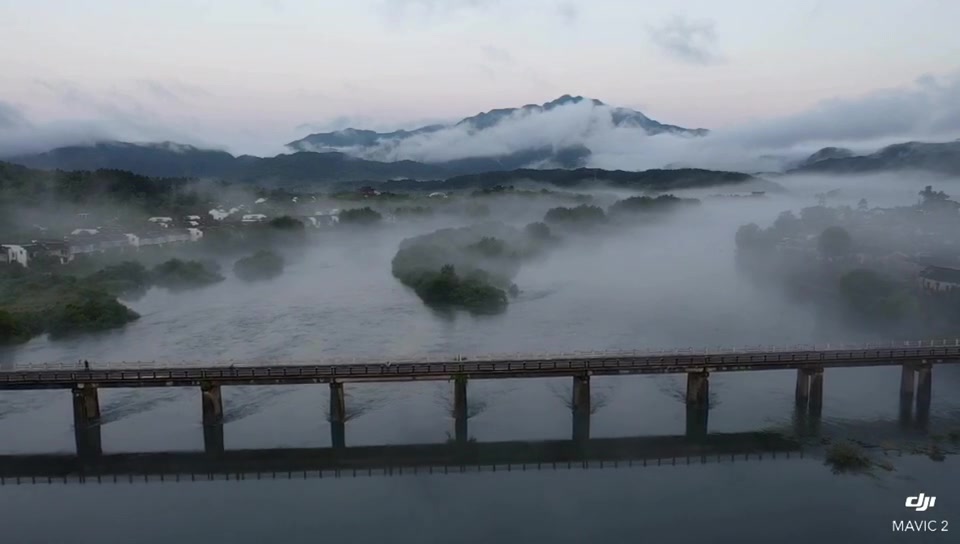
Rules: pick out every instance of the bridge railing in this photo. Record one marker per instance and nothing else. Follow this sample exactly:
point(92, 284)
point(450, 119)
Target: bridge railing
point(436, 358)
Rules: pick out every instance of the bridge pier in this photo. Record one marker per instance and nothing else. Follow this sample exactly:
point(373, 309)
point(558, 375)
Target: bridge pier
point(908, 381)
point(338, 403)
point(816, 393)
point(211, 401)
point(338, 415)
point(86, 404)
point(213, 442)
point(581, 408)
point(809, 392)
point(802, 395)
point(338, 434)
point(697, 416)
point(698, 388)
point(924, 394)
point(460, 408)
point(86, 421)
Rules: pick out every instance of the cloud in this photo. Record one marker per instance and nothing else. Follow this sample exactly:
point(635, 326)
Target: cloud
point(10, 116)
point(568, 11)
point(694, 42)
point(497, 54)
point(929, 109)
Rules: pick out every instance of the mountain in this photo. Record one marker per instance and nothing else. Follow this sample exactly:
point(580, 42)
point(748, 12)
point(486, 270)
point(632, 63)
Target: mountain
point(358, 141)
point(168, 159)
point(825, 154)
point(647, 180)
point(941, 158)
point(164, 159)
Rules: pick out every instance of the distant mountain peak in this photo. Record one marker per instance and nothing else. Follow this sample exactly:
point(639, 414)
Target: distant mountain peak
point(359, 139)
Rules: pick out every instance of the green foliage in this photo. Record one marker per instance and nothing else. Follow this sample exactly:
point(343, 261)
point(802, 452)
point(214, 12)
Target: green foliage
point(262, 265)
point(447, 289)
point(124, 278)
point(13, 330)
point(92, 311)
point(847, 457)
point(662, 203)
point(177, 274)
point(287, 223)
point(415, 211)
point(835, 242)
point(874, 298)
point(582, 215)
point(468, 267)
point(32, 303)
point(360, 216)
point(539, 231)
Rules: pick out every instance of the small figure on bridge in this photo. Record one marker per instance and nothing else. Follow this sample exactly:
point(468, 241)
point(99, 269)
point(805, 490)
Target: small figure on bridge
point(86, 365)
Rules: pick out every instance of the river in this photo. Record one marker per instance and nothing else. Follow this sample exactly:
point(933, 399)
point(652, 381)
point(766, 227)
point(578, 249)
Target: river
point(657, 286)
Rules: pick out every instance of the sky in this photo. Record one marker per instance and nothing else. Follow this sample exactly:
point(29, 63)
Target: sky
point(250, 75)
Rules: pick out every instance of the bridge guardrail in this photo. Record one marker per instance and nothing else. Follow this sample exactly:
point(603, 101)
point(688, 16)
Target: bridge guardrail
point(469, 358)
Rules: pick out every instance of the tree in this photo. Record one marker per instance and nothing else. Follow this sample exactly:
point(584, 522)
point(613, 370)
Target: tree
point(862, 205)
point(360, 216)
point(787, 224)
point(929, 196)
point(285, 222)
point(834, 242)
point(750, 237)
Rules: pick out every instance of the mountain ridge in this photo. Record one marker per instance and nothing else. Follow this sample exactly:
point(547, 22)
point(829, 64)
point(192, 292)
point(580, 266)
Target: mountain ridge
point(358, 139)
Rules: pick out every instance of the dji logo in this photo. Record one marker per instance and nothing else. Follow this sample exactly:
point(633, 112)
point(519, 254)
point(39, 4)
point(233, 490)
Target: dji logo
point(920, 503)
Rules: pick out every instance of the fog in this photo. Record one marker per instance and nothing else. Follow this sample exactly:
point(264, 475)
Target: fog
point(668, 281)
point(927, 109)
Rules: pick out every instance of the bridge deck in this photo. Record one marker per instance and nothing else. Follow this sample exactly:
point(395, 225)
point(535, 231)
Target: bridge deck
point(153, 375)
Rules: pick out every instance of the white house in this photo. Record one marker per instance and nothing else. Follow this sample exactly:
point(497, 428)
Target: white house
point(254, 218)
point(16, 254)
point(437, 195)
point(97, 243)
point(161, 238)
point(195, 234)
point(193, 218)
point(160, 220)
point(77, 232)
point(218, 214)
point(939, 279)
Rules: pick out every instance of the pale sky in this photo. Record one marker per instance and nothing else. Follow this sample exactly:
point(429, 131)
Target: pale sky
point(248, 74)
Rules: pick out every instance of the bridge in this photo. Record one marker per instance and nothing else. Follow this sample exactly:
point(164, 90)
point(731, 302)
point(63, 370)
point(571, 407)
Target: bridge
point(442, 458)
point(916, 359)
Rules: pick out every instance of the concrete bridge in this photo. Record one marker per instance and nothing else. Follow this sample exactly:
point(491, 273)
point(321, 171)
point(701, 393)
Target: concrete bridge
point(441, 458)
point(916, 359)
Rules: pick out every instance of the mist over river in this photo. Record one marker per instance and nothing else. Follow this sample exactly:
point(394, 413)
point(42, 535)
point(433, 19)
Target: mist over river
point(665, 285)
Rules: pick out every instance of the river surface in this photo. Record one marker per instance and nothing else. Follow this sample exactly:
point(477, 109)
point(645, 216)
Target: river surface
point(664, 286)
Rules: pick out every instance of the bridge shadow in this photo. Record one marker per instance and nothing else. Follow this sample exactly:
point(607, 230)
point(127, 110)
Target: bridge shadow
point(447, 457)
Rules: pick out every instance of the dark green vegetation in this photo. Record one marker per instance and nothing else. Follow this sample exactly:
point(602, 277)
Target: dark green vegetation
point(33, 303)
point(847, 457)
point(934, 157)
point(262, 265)
point(446, 289)
point(647, 180)
point(582, 215)
point(360, 216)
point(859, 267)
point(469, 268)
point(177, 274)
point(644, 204)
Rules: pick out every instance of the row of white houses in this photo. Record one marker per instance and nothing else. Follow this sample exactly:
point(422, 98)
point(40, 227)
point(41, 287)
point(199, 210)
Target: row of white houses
point(85, 244)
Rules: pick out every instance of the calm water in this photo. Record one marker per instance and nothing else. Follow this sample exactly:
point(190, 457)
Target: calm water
point(338, 299)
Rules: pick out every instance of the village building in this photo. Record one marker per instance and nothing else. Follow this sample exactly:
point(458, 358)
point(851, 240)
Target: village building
point(86, 244)
point(25, 253)
point(939, 279)
point(254, 218)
